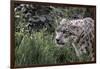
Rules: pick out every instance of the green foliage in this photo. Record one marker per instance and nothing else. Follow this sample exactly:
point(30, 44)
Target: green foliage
point(41, 49)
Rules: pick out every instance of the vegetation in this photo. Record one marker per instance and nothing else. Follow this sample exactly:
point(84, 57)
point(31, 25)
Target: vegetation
point(35, 34)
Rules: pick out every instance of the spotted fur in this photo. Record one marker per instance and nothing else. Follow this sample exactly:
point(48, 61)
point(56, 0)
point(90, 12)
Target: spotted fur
point(79, 32)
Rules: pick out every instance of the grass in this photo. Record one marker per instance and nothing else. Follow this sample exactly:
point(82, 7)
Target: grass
point(40, 48)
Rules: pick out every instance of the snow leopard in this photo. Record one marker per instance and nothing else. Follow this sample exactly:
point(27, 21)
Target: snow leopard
point(79, 32)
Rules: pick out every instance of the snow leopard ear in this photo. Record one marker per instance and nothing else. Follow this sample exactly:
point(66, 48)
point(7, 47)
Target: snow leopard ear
point(64, 21)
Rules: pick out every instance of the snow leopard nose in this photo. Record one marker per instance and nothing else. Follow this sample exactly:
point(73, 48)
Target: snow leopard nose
point(57, 40)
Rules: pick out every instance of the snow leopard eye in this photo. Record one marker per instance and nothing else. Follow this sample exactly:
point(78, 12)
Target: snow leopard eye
point(64, 31)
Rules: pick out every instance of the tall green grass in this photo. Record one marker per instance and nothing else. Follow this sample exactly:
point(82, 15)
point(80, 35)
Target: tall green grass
point(40, 48)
